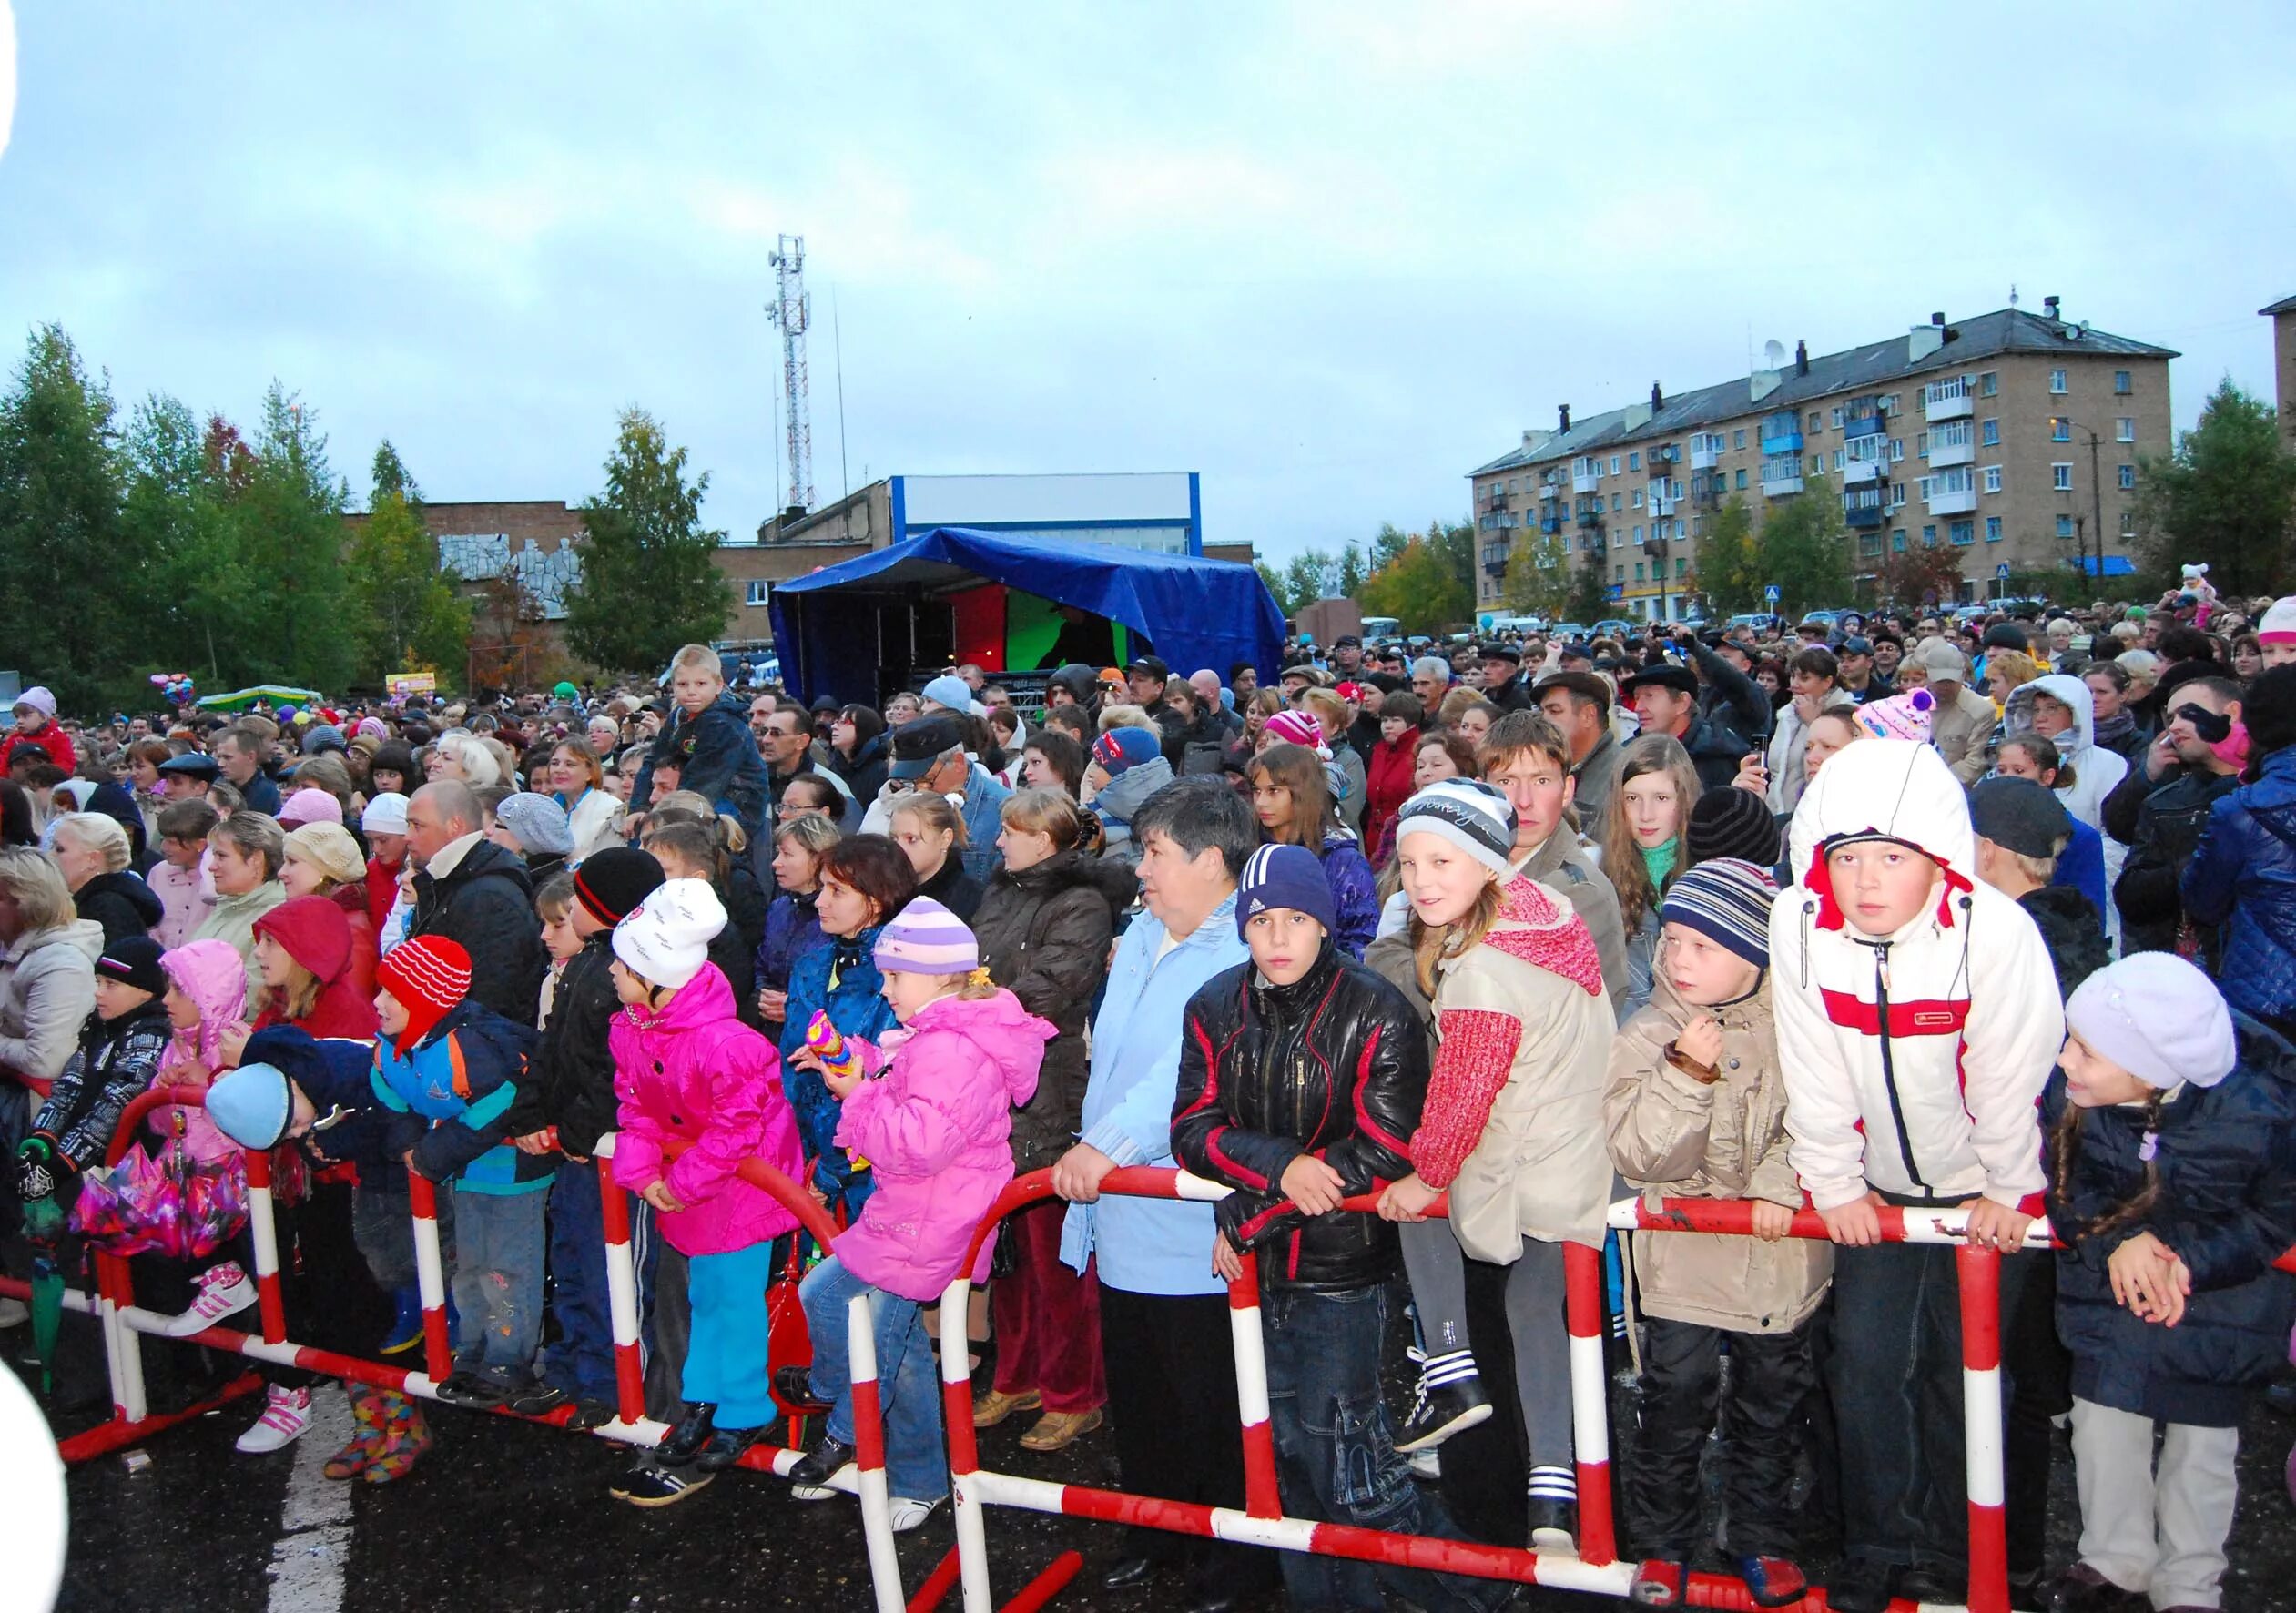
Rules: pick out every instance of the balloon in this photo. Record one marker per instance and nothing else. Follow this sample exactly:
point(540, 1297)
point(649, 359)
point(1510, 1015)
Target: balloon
point(160, 678)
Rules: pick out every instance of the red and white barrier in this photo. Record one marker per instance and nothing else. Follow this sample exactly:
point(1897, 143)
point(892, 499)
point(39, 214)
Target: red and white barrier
point(621, 1288)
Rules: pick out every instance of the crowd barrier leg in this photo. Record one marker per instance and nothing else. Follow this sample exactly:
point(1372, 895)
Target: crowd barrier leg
point(1263, 1496)
point(1979, 1274)
point(270, 1302)
point(964, 1451)
point(430, 1276)
point(1589, 1403)
point(868, 1456)
point(622, 1292)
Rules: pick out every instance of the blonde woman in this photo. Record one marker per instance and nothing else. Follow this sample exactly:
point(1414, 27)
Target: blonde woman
point(593, 813)
point(91, 852)
point(1641, 841)
point(47, 975)
point(465, 757)
point(932, 836)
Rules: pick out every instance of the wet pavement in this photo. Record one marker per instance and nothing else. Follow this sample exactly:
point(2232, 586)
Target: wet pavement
point(500, 1515)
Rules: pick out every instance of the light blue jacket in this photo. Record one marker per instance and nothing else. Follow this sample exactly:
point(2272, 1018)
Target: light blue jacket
point(1147, 1245)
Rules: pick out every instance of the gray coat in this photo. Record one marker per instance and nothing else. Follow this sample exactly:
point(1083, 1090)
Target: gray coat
point(47, 990)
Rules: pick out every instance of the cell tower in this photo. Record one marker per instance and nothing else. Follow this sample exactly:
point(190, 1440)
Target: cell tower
point(792, 312)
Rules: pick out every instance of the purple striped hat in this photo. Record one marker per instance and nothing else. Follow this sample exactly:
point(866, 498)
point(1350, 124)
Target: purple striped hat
point(926, 938)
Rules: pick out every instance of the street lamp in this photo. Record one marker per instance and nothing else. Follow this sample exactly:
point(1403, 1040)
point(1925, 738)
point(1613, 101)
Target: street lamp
point(2097, 499)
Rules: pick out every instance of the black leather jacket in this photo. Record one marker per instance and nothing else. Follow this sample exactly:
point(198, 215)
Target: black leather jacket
point(1334, 1064)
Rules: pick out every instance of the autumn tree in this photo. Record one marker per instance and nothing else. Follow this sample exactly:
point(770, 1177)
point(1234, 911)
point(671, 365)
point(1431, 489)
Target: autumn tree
point(1803, 547)
point(1416, 588)
point(405, 609)
point(648, 583)
point(1729, 569)
point(1921, 575)
point(1539, 579)
point(2225, 498)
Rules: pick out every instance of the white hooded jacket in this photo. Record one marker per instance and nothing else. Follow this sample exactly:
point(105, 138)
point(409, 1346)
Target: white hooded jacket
point(2096, 770)
point(1942, 1104)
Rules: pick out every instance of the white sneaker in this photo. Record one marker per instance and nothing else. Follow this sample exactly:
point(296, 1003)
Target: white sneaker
point(908, 1514)
point(224, 1291)
point(14, 1312)
point(282, 1423)
point(1427, 1463)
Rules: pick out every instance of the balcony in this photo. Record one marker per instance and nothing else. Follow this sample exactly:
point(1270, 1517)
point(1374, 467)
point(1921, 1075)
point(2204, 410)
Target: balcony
point(1550, 523)
point(1706, 488)
point(1856, 471)
point(1584, 478)
point(1495, 558)
point(1869, 424)
point(1665, 453)
point(1662, 498)
point(1590, 514)
point(1782, 440)
point(1782, 477)
point(1953, 443)
point(1948, 399)
point(1953, 492)
point(1866, 507)
point(1705, 454)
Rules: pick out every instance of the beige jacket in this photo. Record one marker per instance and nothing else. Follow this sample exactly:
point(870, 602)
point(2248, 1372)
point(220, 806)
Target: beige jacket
point(1538, 1170)
point(1959, 729)
point(1675, 1137)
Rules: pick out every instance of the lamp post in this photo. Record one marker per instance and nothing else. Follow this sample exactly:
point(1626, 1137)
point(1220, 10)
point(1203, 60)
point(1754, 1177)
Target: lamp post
point(2096, 498)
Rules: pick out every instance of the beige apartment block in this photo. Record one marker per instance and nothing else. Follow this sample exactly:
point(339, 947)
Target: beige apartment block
point(2283, 317)
point(2010, 438)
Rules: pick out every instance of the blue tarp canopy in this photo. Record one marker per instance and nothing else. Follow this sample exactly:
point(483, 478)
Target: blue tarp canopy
point(828, 626)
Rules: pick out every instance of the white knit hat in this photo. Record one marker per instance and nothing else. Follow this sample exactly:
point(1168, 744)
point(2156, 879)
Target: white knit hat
point(1467, 812)
point(2158, 1018)
point(386, 813)
point(666, 940)
point(2278, 625)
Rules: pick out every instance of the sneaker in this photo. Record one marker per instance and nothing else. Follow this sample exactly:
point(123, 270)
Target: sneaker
point(725, 1447)
point(793, 1387)
point(652, 1485)
point(990, 1409)
point(405, 1436)
point(466, 1386)
point(685, 1442)
point(1449, 1400)
point(1771, 1581)
point(810, 1478)
point(1427, 1464)
point(2082, 1590)
point(590, 1414)
point(540, 1401)
point(286, 1416)
point(405, 1331)
point(908, 1514)
point(1554, 1525)
point(224, 1291)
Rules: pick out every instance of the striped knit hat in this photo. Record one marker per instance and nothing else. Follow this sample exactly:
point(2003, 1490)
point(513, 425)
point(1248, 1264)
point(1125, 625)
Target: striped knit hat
point(1467, 812)
point(430, 976)
point(1730, 823)
point(1297, 727)
point(926, 938)
point(1726, 900)
point(1121, 748)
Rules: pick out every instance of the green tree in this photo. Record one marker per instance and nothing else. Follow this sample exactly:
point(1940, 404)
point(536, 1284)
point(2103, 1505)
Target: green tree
point(205, 607)
point(1416, 588)
point(1539, 575)
point(1351, 572)
point(1304, 579)
point(1276, 587)
point(1387, 545)
point(405, 609)
point(1804, 548)
point(1589, 599)
point(1456, 542)
point(2226, 497)
point(65, 605)
point(1728, 569)
point(648, 584)
point(288, 509)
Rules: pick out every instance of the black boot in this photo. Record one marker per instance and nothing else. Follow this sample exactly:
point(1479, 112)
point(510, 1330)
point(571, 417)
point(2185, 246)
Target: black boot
point(686, 1441)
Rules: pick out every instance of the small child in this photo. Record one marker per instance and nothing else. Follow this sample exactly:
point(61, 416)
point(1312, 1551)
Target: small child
point(708, 743)
point(121, 1045)
point(174, 879)
point(1697, 1108)
point(385, 823)
point(554, 904)
point(2172, 1143)
point(1917, 1019)
point(207, 1007)
point(931, 1107)
point(448, 1068)
point(686, 1069)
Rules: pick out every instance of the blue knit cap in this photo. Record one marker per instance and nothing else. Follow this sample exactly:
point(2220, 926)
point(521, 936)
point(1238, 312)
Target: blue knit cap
point(251, 1105)
point(1727, 900)
point(1284, 877)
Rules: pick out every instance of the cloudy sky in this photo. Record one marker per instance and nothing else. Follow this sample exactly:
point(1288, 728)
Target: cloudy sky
point(1332, 255)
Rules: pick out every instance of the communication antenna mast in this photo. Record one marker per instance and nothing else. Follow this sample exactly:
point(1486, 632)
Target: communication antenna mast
point(792, 312)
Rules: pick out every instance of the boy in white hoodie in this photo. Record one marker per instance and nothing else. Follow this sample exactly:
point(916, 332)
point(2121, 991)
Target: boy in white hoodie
point(1917, 1018)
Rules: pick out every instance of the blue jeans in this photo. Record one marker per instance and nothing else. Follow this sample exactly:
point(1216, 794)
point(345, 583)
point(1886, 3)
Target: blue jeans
point(1335, 1460)
point(581, 1361)
point(498, 1267)
point(909, 1385)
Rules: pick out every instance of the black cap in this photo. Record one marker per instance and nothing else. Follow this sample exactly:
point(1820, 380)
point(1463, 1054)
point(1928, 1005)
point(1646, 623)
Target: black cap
point(1670, 676)
point(2004, 635)
point(1148, 666)
point(611, 883)
point(916, 746)
point(1495, 651)
point(194, 765)
point(1731, 823)
point(1855, 646)
point(134, 960)
point(2020, 816)
point(1346, 639)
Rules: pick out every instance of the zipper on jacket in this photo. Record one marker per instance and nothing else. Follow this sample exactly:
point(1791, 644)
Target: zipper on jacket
point(1889, 1070)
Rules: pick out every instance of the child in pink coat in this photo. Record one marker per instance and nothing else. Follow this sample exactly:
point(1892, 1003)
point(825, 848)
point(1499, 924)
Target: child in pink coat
point(687, 1069)
point(931, 1108)
point(206, 1007)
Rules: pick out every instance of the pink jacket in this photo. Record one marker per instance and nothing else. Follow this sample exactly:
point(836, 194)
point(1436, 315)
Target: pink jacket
point(212, 975)
point(182, 905)
point(935, 1128)
point(695, 1072)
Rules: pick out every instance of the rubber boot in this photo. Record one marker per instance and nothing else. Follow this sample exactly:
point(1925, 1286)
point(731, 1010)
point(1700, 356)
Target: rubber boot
point(405, 1436)
point(366, 1435)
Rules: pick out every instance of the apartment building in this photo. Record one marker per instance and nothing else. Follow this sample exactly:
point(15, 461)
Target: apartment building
point(2283, 317)
point(2010, 438)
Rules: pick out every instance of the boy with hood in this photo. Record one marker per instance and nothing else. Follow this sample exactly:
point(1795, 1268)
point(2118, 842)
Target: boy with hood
point(707, 739)
point(2062, 710)
point(448, 1069)
point(1917, 1021)
point(1127, 766)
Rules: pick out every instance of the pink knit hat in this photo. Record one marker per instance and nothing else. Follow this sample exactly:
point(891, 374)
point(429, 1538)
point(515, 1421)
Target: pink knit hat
point(1296, 728)
point(1900, 716)
point(311, 806)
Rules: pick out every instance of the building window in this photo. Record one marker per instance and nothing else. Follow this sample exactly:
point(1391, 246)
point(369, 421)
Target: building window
point(1896, 449)
point(2128, 523)
point(1837, 458)
point(1741, 474)
point(1681, 566)
point(1929, 537)
point(1921, 445)
point(1738, 440)
point(1988, 384)
point(2061, 476)
point(1962, 532)
point(2127, 478)
point(1890, 404)
point(1928, 487)
point(1619, 575)
point(2060, 430)
point(2120, 383)
point(2056, 381)
point(1897, 495)
point(1638, 571)
point(1614, 464)
point(1993, 529)
point(1637, 497)
point(1993, 479)
point(2065, 527)
point(755, 594)
point(1833, 418)
point(1615, 504)
point(1992, 430)
point(2124, 430)
point(1635, 460)
point(1897, 540)
point(1814, 418)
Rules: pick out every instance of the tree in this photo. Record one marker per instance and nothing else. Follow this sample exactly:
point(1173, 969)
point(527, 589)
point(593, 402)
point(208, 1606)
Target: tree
point(1305, 578)
point(287, 510)
point(1277, 589)
point(1804, 548)
point(405, 609)
point(2225, 498)
point(1351, 572)
point(1416, 588)
point(1538, 576)
point(1589, 599)
point(61, 620)
point(1729, 571)
point(1387, 545)
point(1925, 573)
point(205, 606)
point(1456, 542)
point(648, 585)
point(510, 645)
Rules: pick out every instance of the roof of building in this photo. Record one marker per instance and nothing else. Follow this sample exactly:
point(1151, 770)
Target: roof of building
point(2286, 305)
point(1878, 364)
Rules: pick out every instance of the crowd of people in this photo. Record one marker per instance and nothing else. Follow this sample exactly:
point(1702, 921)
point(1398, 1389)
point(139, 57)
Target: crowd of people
point(1998, 915)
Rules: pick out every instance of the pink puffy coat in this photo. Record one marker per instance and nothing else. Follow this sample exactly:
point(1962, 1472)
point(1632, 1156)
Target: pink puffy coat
point(693, 1072)
point(212, 975)
point(936, 1128)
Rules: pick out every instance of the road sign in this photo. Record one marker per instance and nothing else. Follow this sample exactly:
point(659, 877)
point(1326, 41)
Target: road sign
point(2002, 570)
point(1769, 594)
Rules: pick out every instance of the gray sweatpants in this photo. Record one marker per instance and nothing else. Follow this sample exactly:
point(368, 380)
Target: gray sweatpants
point(1438, 1270)
point(2158, 1534)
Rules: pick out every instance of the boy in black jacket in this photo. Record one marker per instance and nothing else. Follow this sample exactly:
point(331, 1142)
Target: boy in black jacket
point(567, 1107)
point(1301, 1076)
point(708, 740)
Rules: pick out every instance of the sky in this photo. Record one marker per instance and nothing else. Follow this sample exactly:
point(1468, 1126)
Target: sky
point(1333, 256)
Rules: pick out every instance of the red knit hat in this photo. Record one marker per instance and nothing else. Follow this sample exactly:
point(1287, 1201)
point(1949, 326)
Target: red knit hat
point(430, 976)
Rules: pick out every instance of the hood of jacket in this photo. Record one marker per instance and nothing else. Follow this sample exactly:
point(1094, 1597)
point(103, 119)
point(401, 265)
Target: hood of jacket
point(1080, 680)
point(313, 931)
point(211, 974)
point(1891, 789)
point(84, 936)
point(1008, 1035)
point(2016, 717)
point(1129, 790)
point(486, 860)
point(128, 889)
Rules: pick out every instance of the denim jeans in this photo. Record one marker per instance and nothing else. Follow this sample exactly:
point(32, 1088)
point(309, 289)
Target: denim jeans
point(908, 1385)
point(498, 1272)
point(382, 1220)
point(1335, 1453)
point(581, 1361)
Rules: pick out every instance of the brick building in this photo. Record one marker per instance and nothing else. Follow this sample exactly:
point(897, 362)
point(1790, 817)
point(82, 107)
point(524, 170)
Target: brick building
point(2011, 438)
point(2283, 317)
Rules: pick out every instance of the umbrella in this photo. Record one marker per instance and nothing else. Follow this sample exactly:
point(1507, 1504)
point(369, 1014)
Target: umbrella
point(168, 1206)
point(43, 1228)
